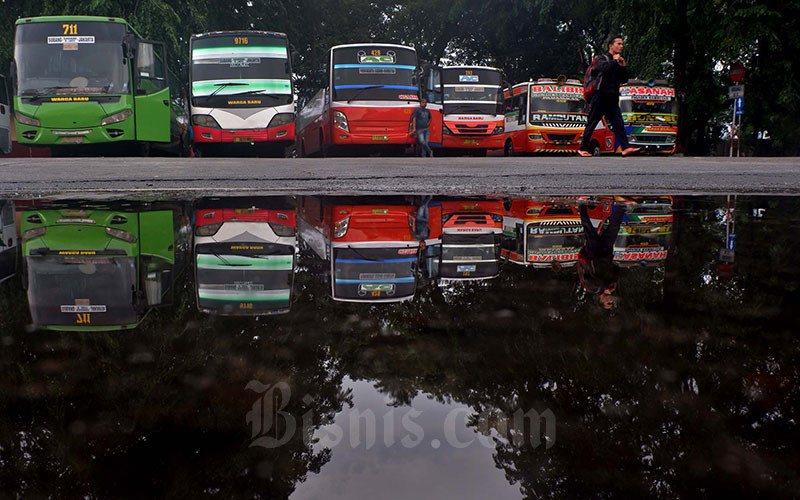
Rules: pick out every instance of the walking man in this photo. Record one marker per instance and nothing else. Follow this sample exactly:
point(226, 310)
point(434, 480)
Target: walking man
point(611, 70)
point(420, 121)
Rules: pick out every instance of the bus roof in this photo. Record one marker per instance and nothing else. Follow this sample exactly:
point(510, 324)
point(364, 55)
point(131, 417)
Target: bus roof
point(471, 67)
point(367, 44)
point(46, 19)
point(643, 83)
point(238, 32)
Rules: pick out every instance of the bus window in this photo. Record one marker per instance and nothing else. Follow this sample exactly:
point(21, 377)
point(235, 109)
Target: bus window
point(150, 68)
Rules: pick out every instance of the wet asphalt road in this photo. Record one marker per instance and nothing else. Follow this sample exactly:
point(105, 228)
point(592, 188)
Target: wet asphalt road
point(178, 177)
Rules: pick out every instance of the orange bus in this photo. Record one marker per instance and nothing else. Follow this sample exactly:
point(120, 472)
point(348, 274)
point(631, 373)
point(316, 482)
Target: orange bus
point(472, 109)
point(366, 245)
point(542, 232)
point(545, 116)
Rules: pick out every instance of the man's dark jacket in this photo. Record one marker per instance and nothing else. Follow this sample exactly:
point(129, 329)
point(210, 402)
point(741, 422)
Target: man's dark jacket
point(613, 74)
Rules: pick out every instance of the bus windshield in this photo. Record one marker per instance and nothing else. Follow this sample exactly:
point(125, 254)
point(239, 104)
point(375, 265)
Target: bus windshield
point(375, 273)
point(252, 67)
point(664, 107)
point(558, 107)
point(374, 73)
point(71, 57)
point(474, 90)
point(244, 282)
point(102, 286)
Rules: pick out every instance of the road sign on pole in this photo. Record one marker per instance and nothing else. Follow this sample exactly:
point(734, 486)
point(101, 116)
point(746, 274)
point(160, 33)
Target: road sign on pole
point(738, 106)
point(736, 73)
point(735, 91)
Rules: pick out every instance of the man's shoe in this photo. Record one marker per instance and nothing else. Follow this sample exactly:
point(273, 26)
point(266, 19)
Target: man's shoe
point(585, 153)
point(630, 151)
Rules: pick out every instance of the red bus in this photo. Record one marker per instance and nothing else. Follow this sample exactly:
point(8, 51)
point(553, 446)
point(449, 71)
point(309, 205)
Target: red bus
point(366, 104)
point(365, 243)
point(465, 239)
point(472, 109)
point(542, 232)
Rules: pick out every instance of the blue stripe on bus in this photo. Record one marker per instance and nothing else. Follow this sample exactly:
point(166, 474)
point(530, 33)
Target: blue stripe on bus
point(396, 280)
point(398, 87)
point(364, 261)
point(350, 66)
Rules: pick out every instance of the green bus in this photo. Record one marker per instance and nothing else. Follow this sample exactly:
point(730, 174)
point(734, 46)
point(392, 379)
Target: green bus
point(84, 84)
point(88, 269)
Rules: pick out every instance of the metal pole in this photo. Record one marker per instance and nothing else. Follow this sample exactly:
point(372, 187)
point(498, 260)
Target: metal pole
point(733, 126)
point(739, 140)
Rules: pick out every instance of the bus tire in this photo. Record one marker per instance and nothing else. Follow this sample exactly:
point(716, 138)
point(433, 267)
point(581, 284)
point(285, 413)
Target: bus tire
point(594, 148)
point(508, 149)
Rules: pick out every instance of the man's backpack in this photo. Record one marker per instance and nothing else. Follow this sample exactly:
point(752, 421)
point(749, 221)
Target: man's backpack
point(592, 80)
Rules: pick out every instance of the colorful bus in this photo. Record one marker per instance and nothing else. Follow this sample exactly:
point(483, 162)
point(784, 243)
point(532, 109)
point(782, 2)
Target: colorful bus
point(366, 104)
point(545, 116)
point(366, 245)
point(472, 109)
point(91, 269)
point(650, 114)
point(542, 232)
point(244, 258)
point(466, 239)
point(241, 92)
point(92, 84)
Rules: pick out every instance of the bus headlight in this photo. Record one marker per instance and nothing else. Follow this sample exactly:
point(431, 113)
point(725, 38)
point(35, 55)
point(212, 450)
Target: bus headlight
point(207, 229)
point(446, 130)
point(340, 228)
point(116, 117)
point(281, 119)
point(27, 120)
point(340, 120)
point(670, 139)
point(498, 130)
point(207, 121)
point(33, 233)
point(535, 137)
point(121, 235)
point(281, 230)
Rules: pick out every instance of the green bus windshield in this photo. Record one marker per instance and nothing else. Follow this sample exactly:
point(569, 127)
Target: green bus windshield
point(71, 57)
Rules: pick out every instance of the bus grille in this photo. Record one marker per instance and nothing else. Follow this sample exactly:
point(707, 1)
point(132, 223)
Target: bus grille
point(661, 139)
point(482, 128)
point(562, 137)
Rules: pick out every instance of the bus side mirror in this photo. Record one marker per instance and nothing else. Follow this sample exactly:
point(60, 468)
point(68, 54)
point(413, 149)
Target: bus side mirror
point(12, 75)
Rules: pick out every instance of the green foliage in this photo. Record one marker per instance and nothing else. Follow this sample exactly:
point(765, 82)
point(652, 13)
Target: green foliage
point(690, 42)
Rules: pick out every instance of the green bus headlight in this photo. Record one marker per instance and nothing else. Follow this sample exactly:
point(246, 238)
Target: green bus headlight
point(116, 117)
point(27, 120)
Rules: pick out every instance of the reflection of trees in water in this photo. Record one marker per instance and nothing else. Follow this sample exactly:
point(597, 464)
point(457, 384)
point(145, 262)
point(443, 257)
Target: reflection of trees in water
point(161, 410)
point(690, 384)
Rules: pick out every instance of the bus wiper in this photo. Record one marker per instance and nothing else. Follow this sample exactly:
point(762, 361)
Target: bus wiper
point(229, 263)
point(361, 90)
point(223, 85)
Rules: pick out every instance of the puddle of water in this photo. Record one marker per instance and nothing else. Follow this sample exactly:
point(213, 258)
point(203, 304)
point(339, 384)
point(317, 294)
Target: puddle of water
point(323, 346)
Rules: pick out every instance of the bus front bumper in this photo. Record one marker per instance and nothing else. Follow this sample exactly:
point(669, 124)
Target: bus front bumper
point(284, 133)
point(46, 136)
point(457, 141)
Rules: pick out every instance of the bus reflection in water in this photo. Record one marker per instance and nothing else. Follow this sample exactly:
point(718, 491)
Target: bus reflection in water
point(646, 231)
point(365, 246)
point(542, 232)
point(96, 269)
point(8, 240)
point(465, 240)
point(244, 256)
